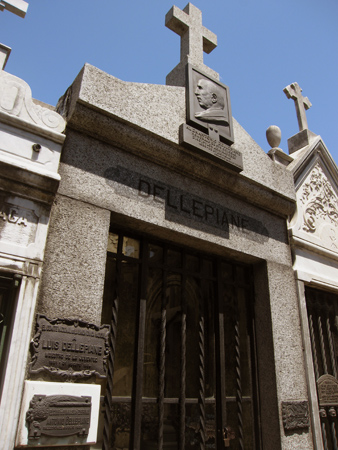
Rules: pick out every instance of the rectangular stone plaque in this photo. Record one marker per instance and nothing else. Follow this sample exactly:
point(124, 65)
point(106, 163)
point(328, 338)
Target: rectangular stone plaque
point(197, 140)
point(58, 416)
point(69, 348)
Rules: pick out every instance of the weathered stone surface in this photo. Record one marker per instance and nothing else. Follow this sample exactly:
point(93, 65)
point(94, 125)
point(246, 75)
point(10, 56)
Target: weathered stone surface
point(100, 104)
point(300, 140)
point(288, 350)
point(77, 240)
point(302, 103)
point(195, 39)
point(91, 166)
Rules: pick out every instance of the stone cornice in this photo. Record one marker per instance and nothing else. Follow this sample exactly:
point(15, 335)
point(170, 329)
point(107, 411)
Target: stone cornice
point(123, 114)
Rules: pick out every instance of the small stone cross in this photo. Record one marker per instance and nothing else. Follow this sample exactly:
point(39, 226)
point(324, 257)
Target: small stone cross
point(18, 7)
point(302, 103)
point(195, 38)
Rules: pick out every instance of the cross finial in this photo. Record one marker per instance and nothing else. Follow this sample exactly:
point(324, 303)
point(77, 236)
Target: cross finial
point(18, 7)
point(195, 39)
point(302, 103)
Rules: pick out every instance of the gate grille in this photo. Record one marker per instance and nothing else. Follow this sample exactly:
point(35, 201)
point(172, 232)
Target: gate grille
point(182, 367)
point(322, 310)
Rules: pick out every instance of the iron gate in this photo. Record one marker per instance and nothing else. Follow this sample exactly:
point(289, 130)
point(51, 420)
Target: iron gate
point(182, 371)
point(322, 310)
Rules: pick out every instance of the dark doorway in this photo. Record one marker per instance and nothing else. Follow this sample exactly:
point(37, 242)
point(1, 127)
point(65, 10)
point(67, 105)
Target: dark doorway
point(182, 372)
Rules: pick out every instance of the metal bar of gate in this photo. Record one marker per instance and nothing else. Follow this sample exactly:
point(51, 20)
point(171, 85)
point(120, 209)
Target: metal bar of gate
point(221, 412)
point(139, 357)
point(322, 345)
point(201, 343)
point(239, 380)
point(107, 430)
point(331, 348)
point(162, 351)
point(183, 356)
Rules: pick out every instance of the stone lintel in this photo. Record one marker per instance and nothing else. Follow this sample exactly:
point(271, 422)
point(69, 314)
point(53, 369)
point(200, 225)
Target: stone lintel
point(21, 181)
point(278, 156)
point(300, 140)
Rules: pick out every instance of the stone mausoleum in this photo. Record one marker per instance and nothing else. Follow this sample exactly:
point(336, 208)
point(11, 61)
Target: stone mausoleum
point(165, 283)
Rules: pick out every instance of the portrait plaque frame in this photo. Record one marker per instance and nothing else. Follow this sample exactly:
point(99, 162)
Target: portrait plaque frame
point(69, 348)
point(193, 107)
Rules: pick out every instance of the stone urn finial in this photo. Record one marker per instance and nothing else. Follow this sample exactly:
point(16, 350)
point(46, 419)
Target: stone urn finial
point(274, 136)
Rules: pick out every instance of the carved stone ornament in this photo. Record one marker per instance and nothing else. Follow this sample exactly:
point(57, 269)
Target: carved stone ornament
point(58, 416)
point(208, 105)
point(16, 100)
point(69, 349)
point(295, 415)
point(327, 388)
point(320, 208)
point(209, 128)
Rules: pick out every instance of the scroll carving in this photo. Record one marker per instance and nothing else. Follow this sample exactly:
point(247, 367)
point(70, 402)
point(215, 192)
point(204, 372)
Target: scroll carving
point(16, 100)
point(320, 208)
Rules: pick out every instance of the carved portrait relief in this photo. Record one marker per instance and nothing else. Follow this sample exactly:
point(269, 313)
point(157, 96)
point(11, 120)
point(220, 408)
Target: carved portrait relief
point(208, 104)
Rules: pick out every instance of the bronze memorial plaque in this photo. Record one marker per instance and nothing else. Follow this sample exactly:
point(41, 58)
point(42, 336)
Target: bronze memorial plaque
point(58, 416)
point(215, 150)
point(327, 387)
point(69, 348)
point(295, 415)
point(209, 127)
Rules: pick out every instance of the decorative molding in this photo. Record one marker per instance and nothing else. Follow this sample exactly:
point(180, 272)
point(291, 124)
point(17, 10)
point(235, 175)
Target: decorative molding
point(319, 208)
point(16, 100)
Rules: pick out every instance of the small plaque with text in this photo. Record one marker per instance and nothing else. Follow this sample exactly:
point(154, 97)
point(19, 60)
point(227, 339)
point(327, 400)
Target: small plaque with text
point(69, 348)
point(58, 416)
point(206, 146)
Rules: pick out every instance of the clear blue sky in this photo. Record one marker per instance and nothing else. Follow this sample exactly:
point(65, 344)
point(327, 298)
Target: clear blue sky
point(263, 46)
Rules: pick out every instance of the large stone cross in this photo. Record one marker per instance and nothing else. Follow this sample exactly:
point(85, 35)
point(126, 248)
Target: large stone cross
point(302, 103)
point(195, 38)
point(18, 7)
